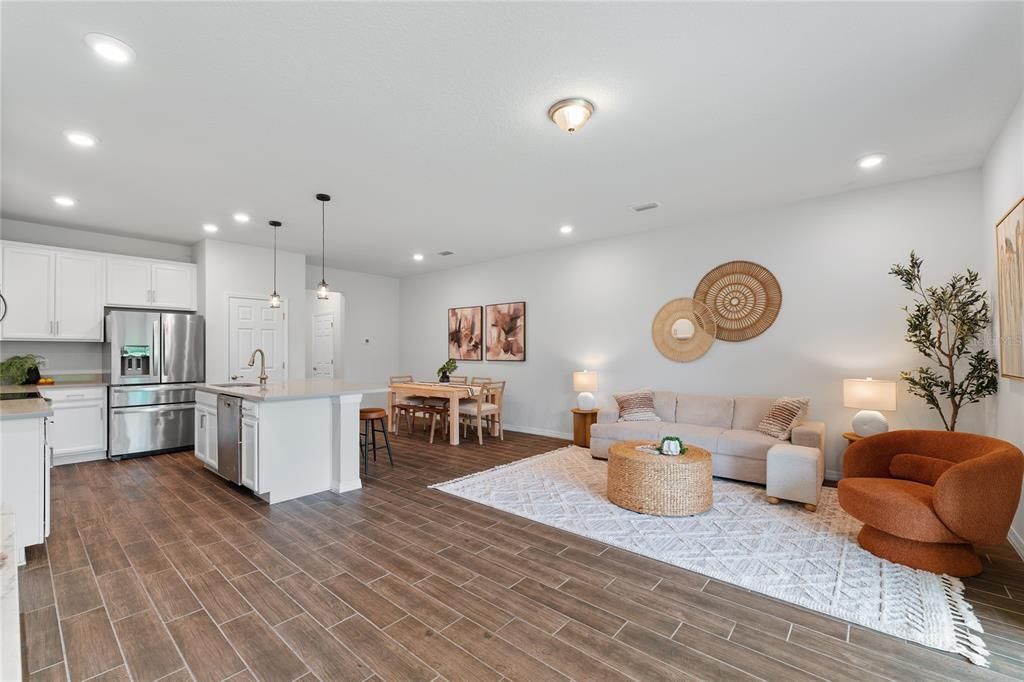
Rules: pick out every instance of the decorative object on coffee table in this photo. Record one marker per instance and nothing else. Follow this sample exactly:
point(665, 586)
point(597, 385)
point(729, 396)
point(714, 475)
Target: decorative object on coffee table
point(465, 333)
point(444, 371)
point(744, 297)
point(582, 420)
point(505, 326)
point(683, 330)
point(1010, 301)
point(585, 383)
point(869, 396)
point(656, 484)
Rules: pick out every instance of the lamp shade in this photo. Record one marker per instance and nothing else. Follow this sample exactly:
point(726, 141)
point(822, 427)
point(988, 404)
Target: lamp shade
point(869, 394)
point(584, 381)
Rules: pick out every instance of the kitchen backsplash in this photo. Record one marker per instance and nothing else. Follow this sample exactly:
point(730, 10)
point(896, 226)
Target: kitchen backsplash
point(61, 356)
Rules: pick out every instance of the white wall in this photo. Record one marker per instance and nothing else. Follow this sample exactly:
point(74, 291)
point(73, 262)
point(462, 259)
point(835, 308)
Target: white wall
point(1003, 186)
point(230, 269)
point(371, 312)
point(591, 305)
point(73, 356)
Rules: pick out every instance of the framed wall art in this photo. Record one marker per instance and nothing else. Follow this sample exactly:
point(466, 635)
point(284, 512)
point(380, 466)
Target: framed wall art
point(465, 333)
point(1010, 291)
point(505, 328)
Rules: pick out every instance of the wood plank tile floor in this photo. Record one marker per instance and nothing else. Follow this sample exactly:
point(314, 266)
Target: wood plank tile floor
point(157, 570)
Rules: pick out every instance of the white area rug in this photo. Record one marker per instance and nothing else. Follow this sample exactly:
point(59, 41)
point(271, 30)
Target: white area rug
point(784, 551)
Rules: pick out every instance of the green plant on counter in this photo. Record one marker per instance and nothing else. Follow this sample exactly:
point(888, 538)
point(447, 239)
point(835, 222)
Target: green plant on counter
point(15, 369)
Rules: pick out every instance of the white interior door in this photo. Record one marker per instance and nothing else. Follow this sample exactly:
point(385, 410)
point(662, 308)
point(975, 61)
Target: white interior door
point(254, 324)
point(323, 345)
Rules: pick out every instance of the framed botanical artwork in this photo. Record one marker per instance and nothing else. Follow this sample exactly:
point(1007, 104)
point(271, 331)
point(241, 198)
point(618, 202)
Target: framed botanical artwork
point(505, 326)
point(1010, 268)
point(465, 333)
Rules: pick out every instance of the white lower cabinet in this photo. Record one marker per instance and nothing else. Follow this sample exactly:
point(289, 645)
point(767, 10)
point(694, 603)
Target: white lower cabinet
point(25, 480)
point(78, 432)
point(250, 446)
point(206, 429)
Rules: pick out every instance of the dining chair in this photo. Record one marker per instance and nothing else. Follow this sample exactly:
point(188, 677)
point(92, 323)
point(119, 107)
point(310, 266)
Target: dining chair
point(484, 406)
point(409, 405)
point(480, 381)
point(457, 380)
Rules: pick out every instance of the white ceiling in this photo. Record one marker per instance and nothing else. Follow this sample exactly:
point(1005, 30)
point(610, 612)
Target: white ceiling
point(427, 122)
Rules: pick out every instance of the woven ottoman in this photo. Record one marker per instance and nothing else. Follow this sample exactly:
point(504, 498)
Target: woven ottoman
point(795, 473)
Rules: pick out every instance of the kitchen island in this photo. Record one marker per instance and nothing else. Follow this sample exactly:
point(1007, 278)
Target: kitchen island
point(284, 439)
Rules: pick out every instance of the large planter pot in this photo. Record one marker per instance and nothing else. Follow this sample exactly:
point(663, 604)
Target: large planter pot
point(32, 377)
point(444, 378)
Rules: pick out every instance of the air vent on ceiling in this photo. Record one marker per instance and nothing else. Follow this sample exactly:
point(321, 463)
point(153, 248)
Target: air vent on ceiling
point(445, 253)
point(639, 208)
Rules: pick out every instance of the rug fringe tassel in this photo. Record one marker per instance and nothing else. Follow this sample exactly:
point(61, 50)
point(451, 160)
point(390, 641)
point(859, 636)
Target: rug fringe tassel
point(969, 645)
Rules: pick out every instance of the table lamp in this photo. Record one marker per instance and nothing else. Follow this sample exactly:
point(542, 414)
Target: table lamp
point(869, 396)
point(585, 383)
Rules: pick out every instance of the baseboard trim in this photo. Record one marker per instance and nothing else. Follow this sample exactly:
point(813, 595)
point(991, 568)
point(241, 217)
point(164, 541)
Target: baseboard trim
point(833, 475)
point(1016, 541)
point(539, 432)
point(78, 457)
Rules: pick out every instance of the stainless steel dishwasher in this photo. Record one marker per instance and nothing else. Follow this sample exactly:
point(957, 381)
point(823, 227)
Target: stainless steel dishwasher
point(229, 437)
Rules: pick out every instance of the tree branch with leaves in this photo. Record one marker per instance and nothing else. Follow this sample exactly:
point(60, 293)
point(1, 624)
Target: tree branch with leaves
point(946, 324)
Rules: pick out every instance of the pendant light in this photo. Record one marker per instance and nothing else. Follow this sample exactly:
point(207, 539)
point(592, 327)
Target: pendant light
point(321, 289)
point(275, 299)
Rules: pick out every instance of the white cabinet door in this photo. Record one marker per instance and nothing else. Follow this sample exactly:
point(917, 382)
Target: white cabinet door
point(24, 478)
point(79, 297)
point(128, 282)
point(28, 288)
point(250, 453)
point(206, 436)
point(174, 286)
point(200, 435)
point(79, 425)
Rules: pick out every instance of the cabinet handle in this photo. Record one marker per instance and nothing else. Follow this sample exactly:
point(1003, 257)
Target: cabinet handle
point(58, 327)
point(74, 395)
point(51, 327)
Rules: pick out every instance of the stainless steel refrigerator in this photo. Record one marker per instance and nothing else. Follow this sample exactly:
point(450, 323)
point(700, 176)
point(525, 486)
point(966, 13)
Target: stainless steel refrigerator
point(154, 360)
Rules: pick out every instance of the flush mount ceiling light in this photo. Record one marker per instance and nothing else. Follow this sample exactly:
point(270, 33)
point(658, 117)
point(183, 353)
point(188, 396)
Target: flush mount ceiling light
point(321, 288)
point(242, 218)
point(565, 229)
point(110, 49)
point(275, 299)
point(79, 138)
point(417, 256)
point(571, 114)
point(64, 201)
point(210, 227)
point(871, 160)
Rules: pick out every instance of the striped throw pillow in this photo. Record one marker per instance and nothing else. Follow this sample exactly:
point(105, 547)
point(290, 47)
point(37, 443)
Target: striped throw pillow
point(783, 415)
point(637, 406)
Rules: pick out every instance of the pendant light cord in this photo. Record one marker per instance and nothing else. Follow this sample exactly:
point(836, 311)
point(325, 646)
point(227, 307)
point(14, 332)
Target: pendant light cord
point(323, 241)
point(275, 259)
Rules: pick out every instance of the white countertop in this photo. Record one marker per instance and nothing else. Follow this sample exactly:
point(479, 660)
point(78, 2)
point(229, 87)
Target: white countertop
point(298, 389)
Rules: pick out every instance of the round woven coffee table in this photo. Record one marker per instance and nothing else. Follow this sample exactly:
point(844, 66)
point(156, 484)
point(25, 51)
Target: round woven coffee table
point(658, 484)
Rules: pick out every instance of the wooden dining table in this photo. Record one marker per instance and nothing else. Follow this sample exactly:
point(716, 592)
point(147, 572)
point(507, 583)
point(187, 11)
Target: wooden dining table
point(429, 389)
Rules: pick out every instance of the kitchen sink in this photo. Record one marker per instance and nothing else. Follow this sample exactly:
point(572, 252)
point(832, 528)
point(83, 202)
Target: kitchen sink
point(234, 385)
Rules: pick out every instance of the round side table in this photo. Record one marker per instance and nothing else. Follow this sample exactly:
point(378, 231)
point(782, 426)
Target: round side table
point(657, 484)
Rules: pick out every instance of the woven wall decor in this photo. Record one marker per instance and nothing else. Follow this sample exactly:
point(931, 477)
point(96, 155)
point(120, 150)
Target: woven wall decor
point(744, 297)
point(683, 329)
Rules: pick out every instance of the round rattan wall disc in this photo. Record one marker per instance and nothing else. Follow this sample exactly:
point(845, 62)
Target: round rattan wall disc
point(744, 297)
point(682, 346)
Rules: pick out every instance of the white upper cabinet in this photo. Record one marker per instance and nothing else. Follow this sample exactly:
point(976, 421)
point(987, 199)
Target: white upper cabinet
point(142, 283)
point(28, 280)
point(78, 297)
point(128, 282)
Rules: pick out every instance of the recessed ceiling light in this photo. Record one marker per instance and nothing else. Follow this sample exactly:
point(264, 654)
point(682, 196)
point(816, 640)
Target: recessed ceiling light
point(79, 138)
point(571, 114)
point(565, 229)
point(241, 217)
point(417, 256)
point(871, 160)
point(109, 48)
point(210, 227)
point(65, 201)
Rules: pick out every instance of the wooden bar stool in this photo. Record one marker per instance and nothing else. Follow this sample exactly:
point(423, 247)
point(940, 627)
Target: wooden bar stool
point(374, 421)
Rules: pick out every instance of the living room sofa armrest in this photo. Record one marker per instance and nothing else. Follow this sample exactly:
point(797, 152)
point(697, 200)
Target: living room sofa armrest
point(977, 499)
point(608, 415)
point(809, 434)
point(870, 457)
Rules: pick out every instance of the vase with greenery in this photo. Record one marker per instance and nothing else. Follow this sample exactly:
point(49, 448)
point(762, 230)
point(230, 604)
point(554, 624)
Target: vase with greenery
point(20, 369)
point(947, 325)
point(445, 370)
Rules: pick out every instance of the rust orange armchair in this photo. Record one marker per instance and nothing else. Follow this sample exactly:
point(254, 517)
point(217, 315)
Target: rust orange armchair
point(926, 497)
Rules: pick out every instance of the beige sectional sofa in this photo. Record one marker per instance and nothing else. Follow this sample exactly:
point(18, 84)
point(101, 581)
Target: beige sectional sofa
point(725, 426)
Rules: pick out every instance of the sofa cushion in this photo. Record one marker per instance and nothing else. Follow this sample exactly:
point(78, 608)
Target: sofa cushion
point(636, 406)
point(900, 508)
point(627, 431)
point(704, 410)
point(749, 444)
point(918, 468)
point(693, 434)
point(665, 405)
point(783, 415)
point(749, 410)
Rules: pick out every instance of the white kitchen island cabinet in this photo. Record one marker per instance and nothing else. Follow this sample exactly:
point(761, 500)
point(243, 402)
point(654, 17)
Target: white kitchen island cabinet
point(291, 438)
